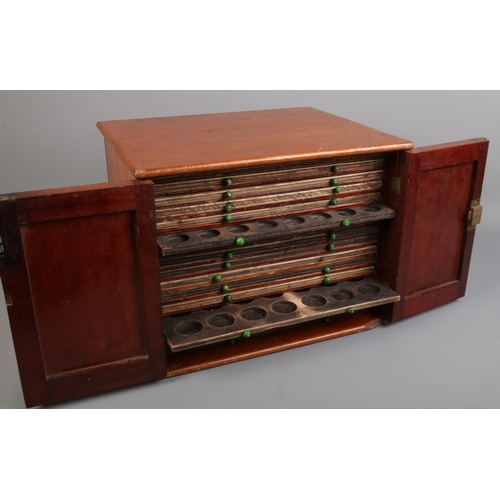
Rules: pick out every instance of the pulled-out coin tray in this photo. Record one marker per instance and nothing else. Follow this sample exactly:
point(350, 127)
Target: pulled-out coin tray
point(234, 320)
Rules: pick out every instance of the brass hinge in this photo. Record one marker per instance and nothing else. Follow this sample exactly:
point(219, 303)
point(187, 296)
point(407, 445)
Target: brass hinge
point(396, 185)
point(474, 216)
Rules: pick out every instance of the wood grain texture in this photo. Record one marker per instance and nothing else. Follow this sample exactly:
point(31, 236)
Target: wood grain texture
point(269, 313)
point(85, 307)
point(429, 244)
point(222, 354)
point(117, 170)
point(158, 147)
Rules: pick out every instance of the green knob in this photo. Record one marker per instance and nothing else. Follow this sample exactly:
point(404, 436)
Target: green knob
point(335, 168)
point(231, 341)
point(333, 201)
point(224, 288)
point(217, 278)
point(226, 182)
point(350, 310)
point(334, 181)
point(228, 298)
point(228, 207)
point(346, 222)
point(326, 280)
point(247, 334)
point(227, 195)
point(228, 218)
point(333, 236)
point(330, 247)
point(337, 189)
point(226, 265)
point(326, 270)
point(228, 255)
point(240, 241)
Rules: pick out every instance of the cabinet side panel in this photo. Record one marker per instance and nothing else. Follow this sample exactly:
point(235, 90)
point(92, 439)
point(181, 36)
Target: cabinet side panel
point(117, 169)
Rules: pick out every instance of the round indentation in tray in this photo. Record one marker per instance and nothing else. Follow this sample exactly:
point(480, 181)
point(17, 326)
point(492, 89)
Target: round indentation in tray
point(347, 211)
point(371, 208)
point(294, 221)
point(208, 233)
point(238, 229)
point(253, 313)
point(188, 327)
point(342, 295)
point(176, 239)
point(267, 225)
point(314, 300)
point(368, 289)
point(284, 307)
point(321, 216)
point(221, 320)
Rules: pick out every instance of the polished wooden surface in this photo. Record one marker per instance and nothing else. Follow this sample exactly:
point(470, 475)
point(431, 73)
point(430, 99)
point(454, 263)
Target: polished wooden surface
point(157, 147)
point(81, 271)
point(430, 244)
point(222, 354)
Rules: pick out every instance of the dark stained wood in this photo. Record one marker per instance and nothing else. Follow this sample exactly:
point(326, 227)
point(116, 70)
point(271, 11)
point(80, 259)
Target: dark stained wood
point(158, 147)
point(429, 244)
point(85, 298)
point(248, 179)
point(221, 354)
point(269, 313)
point(224, 236)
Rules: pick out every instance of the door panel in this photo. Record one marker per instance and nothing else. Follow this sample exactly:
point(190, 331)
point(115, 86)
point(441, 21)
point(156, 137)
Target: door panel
point(430, 243)
point(80, 268)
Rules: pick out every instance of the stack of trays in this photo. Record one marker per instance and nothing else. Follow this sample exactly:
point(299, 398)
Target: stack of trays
point(228, 238)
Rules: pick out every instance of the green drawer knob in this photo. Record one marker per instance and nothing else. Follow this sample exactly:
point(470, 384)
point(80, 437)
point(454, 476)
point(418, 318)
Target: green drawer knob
point(228, 218)
point(337, 189)
point(226, 182)
point(346, 222)
point(231, 341)
point(227, 195)
point(228, 298)
point(334, 181)
point(326, 270)
point(217, 278)
point(240, 241)
point(326, 280)
point(350, 310)
point(226, 265)
point(333, 201)
point(224, 288)
point(333, 236)
point(228, 207)
point(335, 168)
point(330, 247)
point(247, 334)
point(228, 255)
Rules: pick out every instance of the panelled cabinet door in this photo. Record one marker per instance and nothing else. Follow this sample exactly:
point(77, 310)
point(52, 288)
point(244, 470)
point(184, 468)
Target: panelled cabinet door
point(79, 269)
point(437, 200)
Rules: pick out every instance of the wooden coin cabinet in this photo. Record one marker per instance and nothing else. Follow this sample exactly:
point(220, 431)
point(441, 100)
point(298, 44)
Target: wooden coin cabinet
point(227, 236)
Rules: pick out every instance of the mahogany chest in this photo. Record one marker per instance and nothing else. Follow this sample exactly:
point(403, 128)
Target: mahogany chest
point(228, 236)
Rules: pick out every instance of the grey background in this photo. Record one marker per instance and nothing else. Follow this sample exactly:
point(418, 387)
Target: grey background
point(445, 358)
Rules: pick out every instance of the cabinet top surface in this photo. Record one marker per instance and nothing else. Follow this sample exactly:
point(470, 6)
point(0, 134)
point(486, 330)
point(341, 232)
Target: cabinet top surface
point(157, 147)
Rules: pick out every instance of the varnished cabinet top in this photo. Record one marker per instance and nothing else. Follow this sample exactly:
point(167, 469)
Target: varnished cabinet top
point(157, 147)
